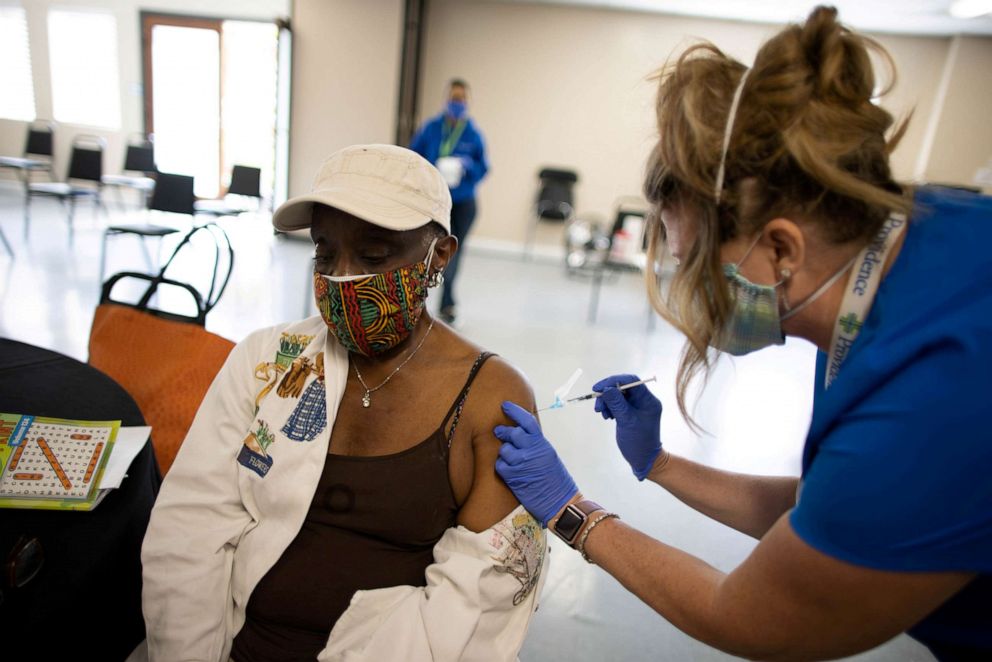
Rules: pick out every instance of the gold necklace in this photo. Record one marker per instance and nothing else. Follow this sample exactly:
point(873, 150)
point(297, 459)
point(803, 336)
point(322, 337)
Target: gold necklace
point(367, 398)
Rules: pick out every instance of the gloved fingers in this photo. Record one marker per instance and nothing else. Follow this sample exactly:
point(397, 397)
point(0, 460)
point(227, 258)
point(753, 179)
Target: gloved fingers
point(502, 432)
point(511, 455)
point(504, 470)
point(513, 435)
point(603, 409)
point(614, 380)
point(642, 399)
point(615, 402)
point(522, 417)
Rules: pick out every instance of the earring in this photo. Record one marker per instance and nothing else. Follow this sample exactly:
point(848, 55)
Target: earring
point(435, 279)
point(786, 273)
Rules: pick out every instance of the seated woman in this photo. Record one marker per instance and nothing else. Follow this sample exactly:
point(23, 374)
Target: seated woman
point(335, 497)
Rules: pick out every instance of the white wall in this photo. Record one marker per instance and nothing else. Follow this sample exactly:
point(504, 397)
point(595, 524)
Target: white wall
point(559, 85)
point(962, 134)
point(127, 12)
point(346, 64)
point(552, 85)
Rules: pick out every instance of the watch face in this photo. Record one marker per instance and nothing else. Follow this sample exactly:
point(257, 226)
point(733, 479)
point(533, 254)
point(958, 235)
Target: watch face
point(569, 523)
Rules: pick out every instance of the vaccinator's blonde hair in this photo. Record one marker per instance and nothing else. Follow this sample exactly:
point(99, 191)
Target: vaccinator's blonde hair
point(808, 142)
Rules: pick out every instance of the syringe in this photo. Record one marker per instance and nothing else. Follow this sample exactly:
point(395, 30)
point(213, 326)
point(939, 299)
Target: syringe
point(595, 394)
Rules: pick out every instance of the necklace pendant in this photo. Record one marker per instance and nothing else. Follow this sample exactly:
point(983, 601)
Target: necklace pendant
point(367, 399)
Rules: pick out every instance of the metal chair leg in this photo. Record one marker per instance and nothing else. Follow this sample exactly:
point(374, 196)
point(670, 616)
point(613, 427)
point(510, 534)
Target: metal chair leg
point(529, 238)
point(27, 215)
point(98, 201)
point(597, 284)
point(6, 244)
point(148, 257)
point(103, 255)
point(72, 213)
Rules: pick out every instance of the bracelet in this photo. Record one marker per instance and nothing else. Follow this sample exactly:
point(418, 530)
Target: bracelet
point(664, 463)
point(580, 545)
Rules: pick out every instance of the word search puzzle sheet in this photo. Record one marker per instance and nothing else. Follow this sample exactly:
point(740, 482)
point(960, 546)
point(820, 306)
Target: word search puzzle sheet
point(53, 463)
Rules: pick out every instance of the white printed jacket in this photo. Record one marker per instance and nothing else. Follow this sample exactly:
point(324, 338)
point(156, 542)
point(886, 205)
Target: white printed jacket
point(238, 493)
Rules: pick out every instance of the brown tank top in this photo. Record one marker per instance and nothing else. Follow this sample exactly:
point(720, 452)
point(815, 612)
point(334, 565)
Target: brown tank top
point(373, 523)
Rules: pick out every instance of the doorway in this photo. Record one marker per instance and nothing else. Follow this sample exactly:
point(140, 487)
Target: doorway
point(210, 97)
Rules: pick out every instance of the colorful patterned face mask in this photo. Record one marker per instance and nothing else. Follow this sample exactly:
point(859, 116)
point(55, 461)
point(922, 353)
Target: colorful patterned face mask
point(373, 313)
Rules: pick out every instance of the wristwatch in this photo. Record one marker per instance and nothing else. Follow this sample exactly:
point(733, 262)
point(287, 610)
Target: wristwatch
point(572, 519)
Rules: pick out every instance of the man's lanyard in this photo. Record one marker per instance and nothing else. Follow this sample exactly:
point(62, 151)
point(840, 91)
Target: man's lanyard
point(862, 284)
point(450, 138)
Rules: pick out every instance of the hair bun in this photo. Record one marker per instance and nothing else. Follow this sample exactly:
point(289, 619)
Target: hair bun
point(838, 61)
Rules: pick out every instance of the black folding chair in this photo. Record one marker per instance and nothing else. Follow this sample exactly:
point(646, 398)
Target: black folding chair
point(554, 201)
point(139, 158)
point(172, 194)
point(83, 181)
point(245, 183)
point(38, 153)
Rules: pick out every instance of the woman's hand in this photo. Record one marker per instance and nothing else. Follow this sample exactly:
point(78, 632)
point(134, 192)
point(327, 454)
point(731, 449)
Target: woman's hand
point(638, 416)
point(530, 466)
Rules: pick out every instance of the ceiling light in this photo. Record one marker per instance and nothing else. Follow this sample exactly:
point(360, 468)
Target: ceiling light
point(970, 8)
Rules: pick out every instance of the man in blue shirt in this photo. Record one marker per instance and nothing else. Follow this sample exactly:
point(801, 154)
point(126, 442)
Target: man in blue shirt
point(453, 143)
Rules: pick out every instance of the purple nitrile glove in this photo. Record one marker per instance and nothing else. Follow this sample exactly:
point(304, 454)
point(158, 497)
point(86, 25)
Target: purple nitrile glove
point(638, 416)
point(530, 466)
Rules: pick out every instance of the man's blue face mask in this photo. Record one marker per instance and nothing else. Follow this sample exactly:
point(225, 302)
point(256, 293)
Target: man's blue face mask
point(456, 109)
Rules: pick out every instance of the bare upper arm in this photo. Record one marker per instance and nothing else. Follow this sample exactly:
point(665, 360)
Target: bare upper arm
point(789, 600)
point(489, 499)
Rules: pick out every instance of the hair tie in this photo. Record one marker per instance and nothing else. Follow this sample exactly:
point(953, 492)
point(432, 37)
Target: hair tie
point(729, 129)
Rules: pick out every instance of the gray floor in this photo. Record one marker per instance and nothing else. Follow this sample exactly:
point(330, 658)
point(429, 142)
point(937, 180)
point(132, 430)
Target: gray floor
point(755, 409)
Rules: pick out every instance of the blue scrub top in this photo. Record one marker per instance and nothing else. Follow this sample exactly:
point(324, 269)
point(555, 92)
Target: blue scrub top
point(470, 146)
point(897, 467)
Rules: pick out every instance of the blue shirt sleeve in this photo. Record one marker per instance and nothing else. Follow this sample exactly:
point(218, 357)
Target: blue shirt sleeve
point(479, 165)
point(903, 480)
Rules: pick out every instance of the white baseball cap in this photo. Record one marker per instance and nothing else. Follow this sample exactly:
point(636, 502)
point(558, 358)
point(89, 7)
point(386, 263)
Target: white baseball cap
point(389, 186)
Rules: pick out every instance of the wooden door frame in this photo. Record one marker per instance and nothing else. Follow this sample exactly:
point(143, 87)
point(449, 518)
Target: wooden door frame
point(148, 21)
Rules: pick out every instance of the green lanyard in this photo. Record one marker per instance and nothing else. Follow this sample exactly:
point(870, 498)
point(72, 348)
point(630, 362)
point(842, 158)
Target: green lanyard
point(450, 138)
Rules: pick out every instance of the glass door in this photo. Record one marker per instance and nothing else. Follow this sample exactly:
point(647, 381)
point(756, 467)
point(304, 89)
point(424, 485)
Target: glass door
point(185, 102)
point(211, 97)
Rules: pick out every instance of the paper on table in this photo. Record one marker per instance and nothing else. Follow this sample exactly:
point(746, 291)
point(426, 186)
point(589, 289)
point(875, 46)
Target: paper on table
point(129, 442)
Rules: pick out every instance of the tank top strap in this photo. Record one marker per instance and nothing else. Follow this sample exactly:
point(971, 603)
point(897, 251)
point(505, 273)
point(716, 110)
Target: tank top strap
point(455, 412)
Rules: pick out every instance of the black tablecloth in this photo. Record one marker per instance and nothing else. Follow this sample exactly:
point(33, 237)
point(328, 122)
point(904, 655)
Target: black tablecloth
point(86, 601)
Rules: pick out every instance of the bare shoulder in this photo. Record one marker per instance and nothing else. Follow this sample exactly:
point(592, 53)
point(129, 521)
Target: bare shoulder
point(499, 380)
point(488, 499)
